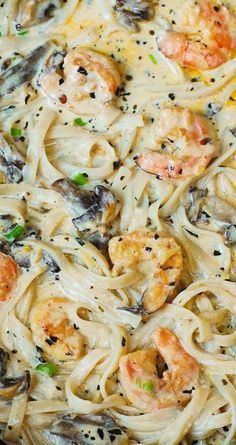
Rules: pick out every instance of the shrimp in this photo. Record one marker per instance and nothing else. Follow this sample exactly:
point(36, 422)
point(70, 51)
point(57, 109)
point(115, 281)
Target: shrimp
point(158, 258)
point(83, 83)
point(208, 37)
point(54, 331)
point(8, 276)
point(139, 377)
point(186, 142)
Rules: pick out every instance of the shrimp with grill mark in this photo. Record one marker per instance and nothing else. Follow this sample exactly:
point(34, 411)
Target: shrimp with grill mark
point(209, 40)
point(141, 383)
point(54, 331)
point(158, 258)
point(185, 144)
point(8, 276)
point(84, 81)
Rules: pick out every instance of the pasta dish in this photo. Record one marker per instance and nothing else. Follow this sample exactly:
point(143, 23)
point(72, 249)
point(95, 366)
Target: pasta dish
point(118, 222)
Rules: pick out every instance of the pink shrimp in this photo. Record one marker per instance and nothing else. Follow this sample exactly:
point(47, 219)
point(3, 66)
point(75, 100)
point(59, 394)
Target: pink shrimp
point(207, 39)
point(8, 276)
point(86, 83)
point(186, 143)
point(140, 380)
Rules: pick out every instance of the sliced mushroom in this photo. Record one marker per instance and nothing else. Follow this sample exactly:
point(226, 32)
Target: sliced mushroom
point(213, 211)
point(99, 240)
point(230, 235)
point(102, 211)
point(200, 207)
point(81, 429)
point(12, 387)
point(94, 210)
point(137, 309)
point(51, 263)
point(133, 11)
point(24, 71)
point(19, 251)
point(3, 361)
point(4, 247)
point(33, 12)
point(233, 131)
point(11, 161)
point(193, 202)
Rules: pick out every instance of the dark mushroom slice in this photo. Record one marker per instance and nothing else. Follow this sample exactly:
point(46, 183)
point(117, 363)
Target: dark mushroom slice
point(101, 212)
point(4, 247)
point(12, 387)
point(50, 262)
point(99, 240)
point(22, 252)
point(137, 309)
point(24, 71)
point(230, 235)
point(95, 209)
point(80, 429)
point(34, 12)
point(3, 361)
point(211, 208)
point(233, 131)
point(132, 11)
point(11, 162)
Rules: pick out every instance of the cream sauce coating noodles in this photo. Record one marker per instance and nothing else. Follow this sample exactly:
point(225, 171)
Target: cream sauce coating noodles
point(118, 222)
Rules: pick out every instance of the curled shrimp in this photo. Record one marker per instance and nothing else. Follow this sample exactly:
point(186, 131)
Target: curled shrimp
point(139, 377)
point(186, 143)
point(158, 258)
point(209, 39)
point(83, 81)
point(8, 276)
point(54, 331)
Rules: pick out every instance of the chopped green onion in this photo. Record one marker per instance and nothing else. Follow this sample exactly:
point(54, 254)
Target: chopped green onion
point(23, 32)
point(79, 178)
point(0, 34)
point(47, 368)
point(16, 132)
point(148, 386)
point(152, 58)
point(13, 234)
point(138, 382)
point(79, 121)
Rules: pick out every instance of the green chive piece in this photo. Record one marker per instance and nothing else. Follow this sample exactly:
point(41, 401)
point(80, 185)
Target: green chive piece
point(47, 368)
point(23, 32)
point(79, 121)
point(0, 34)
point(148, 386)
point(138, 382)
point(16, 132)
point(152, 58)
point(13, 234)
point(79, 178)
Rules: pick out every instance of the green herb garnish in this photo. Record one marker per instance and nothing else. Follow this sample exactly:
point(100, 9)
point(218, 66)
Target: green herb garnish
point(14, 233)
point(47, 368)
point(148, 386)
point(23, 32)
point(16, 132)
point(153, 59)
point(79, 121)
point(79, 178)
